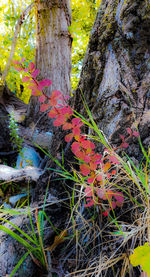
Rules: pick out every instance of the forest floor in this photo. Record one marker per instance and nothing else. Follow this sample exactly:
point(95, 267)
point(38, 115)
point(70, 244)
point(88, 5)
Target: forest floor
point(87, 240)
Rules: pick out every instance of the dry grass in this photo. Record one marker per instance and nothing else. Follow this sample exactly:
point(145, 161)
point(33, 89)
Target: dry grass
point(101, 246)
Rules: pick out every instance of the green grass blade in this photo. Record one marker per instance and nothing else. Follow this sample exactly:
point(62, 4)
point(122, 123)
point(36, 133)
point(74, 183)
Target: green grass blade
point(19, 263)
point(50, 222)
point(17, 237)
point(13, 212)
point(31, 223)
point(19, 230)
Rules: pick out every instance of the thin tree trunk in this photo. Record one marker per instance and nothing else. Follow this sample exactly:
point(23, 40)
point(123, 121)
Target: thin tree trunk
point(53, 48)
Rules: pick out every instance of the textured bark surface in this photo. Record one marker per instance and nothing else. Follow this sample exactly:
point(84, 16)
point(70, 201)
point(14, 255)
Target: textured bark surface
point(116, 70)
point(53, 48)
point(11, 252)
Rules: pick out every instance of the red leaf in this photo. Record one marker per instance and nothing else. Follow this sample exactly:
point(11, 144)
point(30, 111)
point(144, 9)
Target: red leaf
point(119, 197)
point(45, 83)
point(53, 113)
point(100, 192)
point(76, 131)
point(97, 158)
point(113, 204)
point(124, 145)
point(91, 180)
point(114, 160)
point(136, 134)
point(75, 147)
point(129, 131)
point(80, 155)
point(42, 98)
point(113, 172)
point(108, 175)
point(87, 159)
point(35, 73)
point(44, 107)
point(106, 213)
point(91, 203)
point(122, 137)
point(85, 170)
point(53, 102)
point(16, 62)
point(67, 126)
point(66, 97)
point(18, 68)
point(99, 178)
point(25, 79)
point(60, 120)
point(93, 166)
point(76, 121)
point(36, 92)
point(67, 110)
point(69, 137)
point(108, 195)
point(56, 93)
point(31, 66)
point(87, 144)
point(88, 191)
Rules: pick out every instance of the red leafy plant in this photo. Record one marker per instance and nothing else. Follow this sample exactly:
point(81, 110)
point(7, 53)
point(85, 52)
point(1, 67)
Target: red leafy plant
point(97, 170)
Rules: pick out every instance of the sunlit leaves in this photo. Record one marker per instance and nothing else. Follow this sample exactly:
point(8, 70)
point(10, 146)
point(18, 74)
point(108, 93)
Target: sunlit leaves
point(9, 13)
point(83, 16)
point(35, 73)
point(44, 107)
point(25, 79)
point(85, 169)
point(45, 82)
point(141, 256)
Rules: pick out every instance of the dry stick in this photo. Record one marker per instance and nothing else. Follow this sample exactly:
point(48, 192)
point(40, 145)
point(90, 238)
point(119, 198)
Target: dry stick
point(14, 42)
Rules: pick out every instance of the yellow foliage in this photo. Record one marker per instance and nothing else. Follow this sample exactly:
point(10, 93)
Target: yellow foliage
point(141, 256)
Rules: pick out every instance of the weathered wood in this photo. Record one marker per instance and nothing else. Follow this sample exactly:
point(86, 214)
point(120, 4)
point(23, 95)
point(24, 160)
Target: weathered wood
point(53, 50)
point(116, 69)
point(8, 173)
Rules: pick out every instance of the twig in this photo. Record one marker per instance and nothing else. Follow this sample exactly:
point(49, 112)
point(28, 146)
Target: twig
point(14, 41)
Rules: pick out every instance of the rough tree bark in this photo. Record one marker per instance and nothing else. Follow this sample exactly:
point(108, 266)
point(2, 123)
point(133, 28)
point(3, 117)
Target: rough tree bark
point(53, 49)
point(116, 69)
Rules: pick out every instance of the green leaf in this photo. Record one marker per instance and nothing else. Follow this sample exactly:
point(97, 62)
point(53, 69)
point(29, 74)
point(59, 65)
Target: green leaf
point(141, 256)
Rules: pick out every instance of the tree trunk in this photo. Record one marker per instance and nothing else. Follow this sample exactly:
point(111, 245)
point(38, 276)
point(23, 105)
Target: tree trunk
point(53, 59)
point(116, 69)
point(53, 48)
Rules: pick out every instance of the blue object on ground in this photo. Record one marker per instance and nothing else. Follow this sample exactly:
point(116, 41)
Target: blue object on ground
point(28, 157)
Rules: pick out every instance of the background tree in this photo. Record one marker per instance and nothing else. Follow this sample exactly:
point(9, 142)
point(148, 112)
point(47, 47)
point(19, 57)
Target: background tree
point(53, 48)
